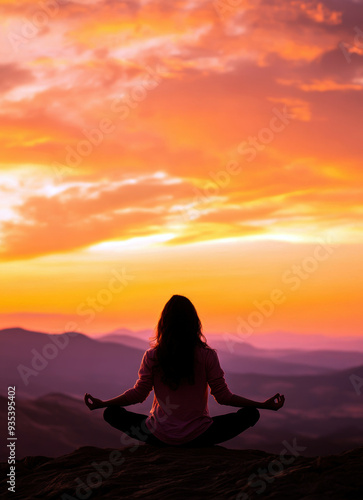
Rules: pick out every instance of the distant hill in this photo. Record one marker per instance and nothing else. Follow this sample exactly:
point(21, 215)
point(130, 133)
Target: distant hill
point(323, 410)
point(325, 415)
point(302, 358)
point(38, 363)
point(172, 473)
point(239, 357)
point(269, 341)
point(55, 424)
point(125, 339)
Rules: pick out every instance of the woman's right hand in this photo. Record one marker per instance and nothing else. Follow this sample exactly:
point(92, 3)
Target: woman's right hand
point(275, 403)
point(93, 403)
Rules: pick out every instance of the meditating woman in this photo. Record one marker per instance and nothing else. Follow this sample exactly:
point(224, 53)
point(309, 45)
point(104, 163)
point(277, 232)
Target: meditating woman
point(179, 368)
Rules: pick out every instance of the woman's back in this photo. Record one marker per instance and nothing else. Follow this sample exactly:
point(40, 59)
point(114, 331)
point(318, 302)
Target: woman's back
point(180, 415)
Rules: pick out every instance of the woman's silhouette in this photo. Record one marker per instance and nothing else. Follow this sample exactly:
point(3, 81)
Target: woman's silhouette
point(179, 368)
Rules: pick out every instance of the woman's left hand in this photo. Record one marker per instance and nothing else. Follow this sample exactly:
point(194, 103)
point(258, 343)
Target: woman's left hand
point(93, 403)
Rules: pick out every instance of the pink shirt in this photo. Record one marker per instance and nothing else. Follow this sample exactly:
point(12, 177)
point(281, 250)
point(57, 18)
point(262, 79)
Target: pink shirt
point(179, 416)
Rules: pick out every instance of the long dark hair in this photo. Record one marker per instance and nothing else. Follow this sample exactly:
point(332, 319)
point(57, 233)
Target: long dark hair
point(178, 332)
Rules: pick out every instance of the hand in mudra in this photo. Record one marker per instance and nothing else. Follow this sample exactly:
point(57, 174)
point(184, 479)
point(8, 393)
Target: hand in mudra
point(275, 403)
point(93, 403)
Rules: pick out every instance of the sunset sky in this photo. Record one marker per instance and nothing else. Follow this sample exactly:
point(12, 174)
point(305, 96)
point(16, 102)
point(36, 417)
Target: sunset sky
point(192, 147)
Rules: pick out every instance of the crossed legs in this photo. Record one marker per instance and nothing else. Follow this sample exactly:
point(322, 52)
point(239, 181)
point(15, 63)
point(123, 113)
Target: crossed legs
point(132, 424)
point(223, 428)
point(228, 426)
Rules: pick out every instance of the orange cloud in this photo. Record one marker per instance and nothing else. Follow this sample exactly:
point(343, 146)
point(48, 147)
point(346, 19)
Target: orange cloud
point(122, 119)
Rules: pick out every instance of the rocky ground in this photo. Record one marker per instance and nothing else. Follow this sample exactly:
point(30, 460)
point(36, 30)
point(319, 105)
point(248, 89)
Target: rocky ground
point(144, 471)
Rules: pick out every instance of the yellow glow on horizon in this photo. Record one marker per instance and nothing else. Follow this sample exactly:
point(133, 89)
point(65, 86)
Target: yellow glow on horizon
point(144, 241)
